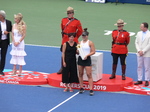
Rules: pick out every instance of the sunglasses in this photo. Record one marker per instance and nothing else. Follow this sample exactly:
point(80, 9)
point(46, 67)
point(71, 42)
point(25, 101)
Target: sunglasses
point(119, 26)
point(69, 12)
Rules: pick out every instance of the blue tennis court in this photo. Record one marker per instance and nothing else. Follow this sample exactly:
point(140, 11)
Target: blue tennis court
point(23, 98)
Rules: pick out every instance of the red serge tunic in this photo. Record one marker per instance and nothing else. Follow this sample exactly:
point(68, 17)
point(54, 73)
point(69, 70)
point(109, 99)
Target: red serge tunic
point(71, 26)
point(120, 41)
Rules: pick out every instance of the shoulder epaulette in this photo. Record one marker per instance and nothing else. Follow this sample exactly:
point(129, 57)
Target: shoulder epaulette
point(124, 31)
point(115, 30)
point(75, 18)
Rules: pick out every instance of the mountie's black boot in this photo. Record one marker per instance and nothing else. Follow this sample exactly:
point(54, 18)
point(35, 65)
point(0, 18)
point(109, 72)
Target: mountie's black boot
point(60, 70)
point(123, 72)
point(113, 75)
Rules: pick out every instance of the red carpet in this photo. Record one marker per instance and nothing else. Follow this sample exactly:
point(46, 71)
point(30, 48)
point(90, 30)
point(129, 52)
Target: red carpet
point(27, 78)
point(105, 84)
point(138, 89)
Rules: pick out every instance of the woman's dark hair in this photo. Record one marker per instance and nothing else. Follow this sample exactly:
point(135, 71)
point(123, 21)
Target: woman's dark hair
point(72, 34)
point(85, 32)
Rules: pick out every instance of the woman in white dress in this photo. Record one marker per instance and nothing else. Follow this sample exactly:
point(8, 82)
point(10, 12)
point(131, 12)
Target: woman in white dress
point(18, 45)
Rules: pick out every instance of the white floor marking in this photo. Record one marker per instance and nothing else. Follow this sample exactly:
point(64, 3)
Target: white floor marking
point(63, 102)
point(59, 47)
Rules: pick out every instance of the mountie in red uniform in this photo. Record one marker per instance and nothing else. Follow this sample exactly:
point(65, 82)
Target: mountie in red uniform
point(120, 41)
point(70, 25)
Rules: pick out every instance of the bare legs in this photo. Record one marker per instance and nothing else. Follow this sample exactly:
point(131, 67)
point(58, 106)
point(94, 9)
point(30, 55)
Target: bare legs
point(88, 70)
point(20, 70)
point(15, 70)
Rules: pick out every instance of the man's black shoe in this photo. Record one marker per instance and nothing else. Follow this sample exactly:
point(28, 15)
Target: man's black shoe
point(138, 82)
point(2, 73)
point(146, 83)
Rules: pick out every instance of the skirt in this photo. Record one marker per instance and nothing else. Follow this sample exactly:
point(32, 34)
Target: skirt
point(86, 62)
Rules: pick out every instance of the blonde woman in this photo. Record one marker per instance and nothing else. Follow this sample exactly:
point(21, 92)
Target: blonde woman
point(17, 52)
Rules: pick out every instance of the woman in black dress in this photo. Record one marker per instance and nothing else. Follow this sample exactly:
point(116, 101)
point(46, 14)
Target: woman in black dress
point(69, 73)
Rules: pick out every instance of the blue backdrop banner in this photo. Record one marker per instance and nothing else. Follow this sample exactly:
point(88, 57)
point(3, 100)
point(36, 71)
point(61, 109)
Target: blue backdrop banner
point(121, 1)
point(96, 1)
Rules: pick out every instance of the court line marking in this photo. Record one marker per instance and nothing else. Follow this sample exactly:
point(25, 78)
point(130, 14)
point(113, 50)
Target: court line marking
point(59, 47)
point(63, 102)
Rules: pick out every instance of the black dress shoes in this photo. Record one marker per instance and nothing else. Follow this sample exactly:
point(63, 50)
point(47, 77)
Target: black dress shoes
point(123, 77)
point(2, 73)
point(138, 82)
point(112, 76)
point(146, 83)
point(60, 71)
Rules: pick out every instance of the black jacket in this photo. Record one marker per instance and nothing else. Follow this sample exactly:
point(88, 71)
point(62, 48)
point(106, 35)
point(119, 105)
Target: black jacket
point(8, 28)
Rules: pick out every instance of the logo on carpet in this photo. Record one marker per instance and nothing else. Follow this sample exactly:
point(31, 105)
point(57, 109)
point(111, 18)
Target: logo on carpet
point(27, 77)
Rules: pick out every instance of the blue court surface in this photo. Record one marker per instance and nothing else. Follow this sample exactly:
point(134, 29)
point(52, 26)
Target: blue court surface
point(19, 98)
point(23, 98)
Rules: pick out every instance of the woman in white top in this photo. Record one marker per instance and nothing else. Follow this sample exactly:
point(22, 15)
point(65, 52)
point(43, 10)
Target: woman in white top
point(18, 35)
point(88, 49)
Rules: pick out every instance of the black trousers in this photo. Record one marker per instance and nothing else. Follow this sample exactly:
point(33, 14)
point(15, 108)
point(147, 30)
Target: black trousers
point(61, 48)
point(121, 56)
point(3, 51)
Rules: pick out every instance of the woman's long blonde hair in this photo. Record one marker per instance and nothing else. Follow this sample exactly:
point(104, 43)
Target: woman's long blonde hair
point(21, 23)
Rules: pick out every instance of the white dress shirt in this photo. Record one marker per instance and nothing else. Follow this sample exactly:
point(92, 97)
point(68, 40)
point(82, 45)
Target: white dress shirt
point(3, 28)
point(143, 35)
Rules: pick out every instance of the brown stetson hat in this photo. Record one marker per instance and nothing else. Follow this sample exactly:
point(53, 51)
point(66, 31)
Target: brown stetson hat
point(120, 22)
point(70, 9)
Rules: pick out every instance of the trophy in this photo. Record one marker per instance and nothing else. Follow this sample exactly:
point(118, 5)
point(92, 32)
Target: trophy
point(81, 52)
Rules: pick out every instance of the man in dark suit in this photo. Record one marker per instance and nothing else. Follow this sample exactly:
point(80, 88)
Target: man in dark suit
point(5, 29)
